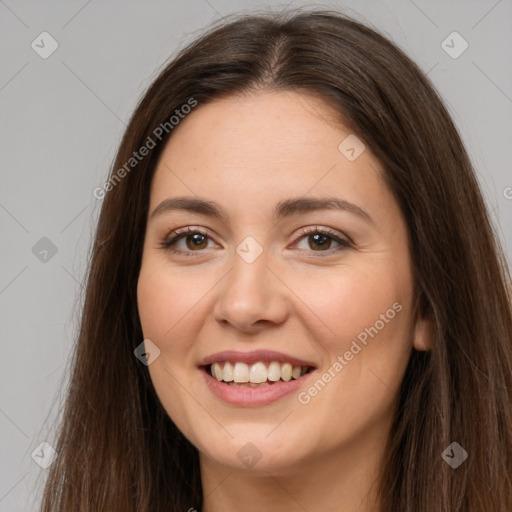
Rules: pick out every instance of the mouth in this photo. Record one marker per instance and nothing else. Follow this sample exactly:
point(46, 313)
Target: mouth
point(254, 378)
point(259, 374)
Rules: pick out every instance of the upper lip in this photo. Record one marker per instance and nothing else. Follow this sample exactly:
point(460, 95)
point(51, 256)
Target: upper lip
point(254, 357)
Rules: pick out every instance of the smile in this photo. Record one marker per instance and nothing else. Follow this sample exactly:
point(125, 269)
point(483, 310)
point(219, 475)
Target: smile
point(256, 375)
point(251, 379)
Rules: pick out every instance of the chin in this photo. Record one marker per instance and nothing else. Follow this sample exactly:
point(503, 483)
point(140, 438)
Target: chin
point(254, 449)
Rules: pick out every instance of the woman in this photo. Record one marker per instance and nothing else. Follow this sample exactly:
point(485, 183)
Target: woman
point(296, 300)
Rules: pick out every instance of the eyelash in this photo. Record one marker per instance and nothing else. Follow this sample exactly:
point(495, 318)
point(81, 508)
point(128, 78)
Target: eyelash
point(176, 235)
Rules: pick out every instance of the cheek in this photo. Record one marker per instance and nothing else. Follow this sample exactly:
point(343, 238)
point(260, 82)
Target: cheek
point(365, 318)
point(352, 303)
point(166, 304)
point(166, 310)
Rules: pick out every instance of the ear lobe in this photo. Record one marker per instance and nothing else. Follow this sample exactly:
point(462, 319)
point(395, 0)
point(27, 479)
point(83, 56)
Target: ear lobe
point(423, 336)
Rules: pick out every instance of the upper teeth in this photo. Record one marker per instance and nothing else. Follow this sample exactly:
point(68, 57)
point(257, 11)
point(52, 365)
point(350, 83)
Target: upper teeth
point(257, 372)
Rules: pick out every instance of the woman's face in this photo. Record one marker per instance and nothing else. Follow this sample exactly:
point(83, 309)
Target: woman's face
point(296, 261)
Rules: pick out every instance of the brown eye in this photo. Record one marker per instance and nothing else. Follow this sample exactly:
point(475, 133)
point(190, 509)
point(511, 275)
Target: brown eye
point(195, 240)
point(320, 240)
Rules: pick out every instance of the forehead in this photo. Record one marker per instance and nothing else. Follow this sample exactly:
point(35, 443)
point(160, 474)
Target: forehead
point(266, 124)
point(260, 149)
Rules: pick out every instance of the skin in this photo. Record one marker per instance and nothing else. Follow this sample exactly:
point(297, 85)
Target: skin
point(299, 297)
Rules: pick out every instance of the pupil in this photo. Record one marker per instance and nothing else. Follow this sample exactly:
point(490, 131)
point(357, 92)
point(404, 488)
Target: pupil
point(323, 239)
point(197, 240)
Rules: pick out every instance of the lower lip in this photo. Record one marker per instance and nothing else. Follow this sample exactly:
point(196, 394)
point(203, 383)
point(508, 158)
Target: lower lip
point(247, 396)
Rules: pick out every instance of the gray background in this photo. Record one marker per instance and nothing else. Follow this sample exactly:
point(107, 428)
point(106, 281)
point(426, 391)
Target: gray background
point(63, 117)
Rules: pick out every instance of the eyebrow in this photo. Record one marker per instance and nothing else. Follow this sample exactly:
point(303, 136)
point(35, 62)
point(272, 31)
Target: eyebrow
point(282, 209)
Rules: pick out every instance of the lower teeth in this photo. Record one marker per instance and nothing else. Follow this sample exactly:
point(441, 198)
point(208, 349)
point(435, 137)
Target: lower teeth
point(247, 384)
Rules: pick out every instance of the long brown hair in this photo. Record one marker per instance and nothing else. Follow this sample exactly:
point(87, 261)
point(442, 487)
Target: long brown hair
point(119, 450)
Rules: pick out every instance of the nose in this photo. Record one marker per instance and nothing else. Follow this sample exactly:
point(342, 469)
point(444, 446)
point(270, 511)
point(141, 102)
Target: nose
point(251, 297)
